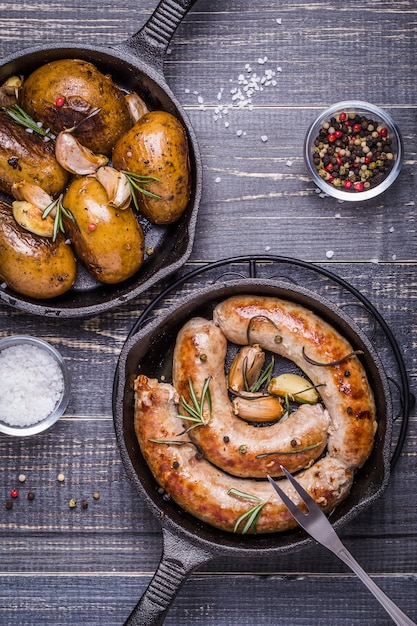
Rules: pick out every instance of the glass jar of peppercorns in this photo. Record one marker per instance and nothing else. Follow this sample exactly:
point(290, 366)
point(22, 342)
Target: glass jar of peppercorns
point(353, 151)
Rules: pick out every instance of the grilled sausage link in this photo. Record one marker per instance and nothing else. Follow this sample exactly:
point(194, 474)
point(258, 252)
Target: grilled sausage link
point(203, 490)
point(298, 334)
point(227, 441)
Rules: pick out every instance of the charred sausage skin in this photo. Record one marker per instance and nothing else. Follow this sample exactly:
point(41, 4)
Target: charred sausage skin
point(295, 332)
point(230, 443)
point(202, 489)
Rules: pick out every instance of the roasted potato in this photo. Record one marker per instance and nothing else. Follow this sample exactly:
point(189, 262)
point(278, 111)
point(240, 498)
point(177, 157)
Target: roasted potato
point(157, 146)
point(63, 93)
point(26, 156)
point(108, 241)
point(31, 265)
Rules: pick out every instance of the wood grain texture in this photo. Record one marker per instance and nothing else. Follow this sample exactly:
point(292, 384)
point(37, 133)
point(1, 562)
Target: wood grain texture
point(66, 566)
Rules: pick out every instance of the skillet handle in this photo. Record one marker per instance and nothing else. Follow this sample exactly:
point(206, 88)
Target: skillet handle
point(179, 558)
point(151, 42)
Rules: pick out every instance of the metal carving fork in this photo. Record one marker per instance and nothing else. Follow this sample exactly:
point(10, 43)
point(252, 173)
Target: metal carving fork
point(316, 524)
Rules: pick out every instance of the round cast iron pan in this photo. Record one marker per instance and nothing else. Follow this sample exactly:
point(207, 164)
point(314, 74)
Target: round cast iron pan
point(135, 65)
point(188, 542)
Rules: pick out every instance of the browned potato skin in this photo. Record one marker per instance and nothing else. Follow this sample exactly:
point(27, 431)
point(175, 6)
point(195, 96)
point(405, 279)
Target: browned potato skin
point(26, 156)
point(31, 265)
point(84, 88)
point(114, 250)
point(157, 146)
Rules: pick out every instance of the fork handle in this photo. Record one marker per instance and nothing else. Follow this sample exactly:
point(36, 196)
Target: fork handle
point(391, 608)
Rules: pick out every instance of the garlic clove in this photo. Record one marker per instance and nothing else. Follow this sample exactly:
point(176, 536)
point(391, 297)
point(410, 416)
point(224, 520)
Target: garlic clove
point(137, 107)
point(29, 217)
point(116, 185)
point(259, 408)
point(297, 388)
point(31, 193)
point(76, 158)
point(246, 368)
point(9, 91)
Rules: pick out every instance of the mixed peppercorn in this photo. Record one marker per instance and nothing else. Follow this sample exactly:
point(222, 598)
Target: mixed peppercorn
point(353, 152)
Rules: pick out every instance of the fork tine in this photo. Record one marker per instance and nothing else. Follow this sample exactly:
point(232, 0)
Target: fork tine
point(307, 499)
point(293, 508)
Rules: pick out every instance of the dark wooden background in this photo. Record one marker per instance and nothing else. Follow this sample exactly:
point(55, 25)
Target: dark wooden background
point(60, 566)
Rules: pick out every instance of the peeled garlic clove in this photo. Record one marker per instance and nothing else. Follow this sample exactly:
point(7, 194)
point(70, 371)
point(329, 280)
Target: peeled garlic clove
point(32, 193)
point(9, 91)
point(137, 107)
point(246, 368)
point(116, 185)
point(12, 85)
point(76, 158)
point(258, 408)
point(29, 217)
point(297, 388)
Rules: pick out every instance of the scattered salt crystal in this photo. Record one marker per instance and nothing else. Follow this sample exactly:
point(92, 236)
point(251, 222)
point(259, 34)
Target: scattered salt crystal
point(391, 230)
point(239, 133)
point(217, 179)
point(186, 90)
point(279, 68)
point(3, 285)
point(330, 254)
point(226, 124)
point(31, 385)
point(374, 260)
point(337, 216)
point(289, 163)
point(264, 138)
point(200, 99)
point(394, 257)
point(267, 248)
point(279, 20)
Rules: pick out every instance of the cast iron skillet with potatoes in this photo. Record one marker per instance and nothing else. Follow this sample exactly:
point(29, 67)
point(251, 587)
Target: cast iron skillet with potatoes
point(135, 65)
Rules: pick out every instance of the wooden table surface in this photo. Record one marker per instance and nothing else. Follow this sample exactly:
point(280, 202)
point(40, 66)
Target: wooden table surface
point(78, 566)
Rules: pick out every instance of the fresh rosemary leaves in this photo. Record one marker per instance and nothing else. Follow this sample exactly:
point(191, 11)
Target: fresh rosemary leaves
point(248, 518)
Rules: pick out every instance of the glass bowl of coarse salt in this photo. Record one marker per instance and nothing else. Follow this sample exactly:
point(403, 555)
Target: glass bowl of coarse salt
point(353, 151)
point(34, 386)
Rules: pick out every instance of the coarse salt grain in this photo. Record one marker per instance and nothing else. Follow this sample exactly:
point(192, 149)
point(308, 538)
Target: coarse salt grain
point(31, 385)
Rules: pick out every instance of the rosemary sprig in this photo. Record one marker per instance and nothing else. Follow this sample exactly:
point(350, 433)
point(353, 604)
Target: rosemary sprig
point(277, 338)
point(18, 115)
point(137, 182)
point(195, 409)
point(331, 363)
point(60, 210)
point(310, 447)
point(264, 377)
point(295, 397)
point(251, 516)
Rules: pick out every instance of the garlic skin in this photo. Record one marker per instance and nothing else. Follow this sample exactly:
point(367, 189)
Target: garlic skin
point(116, 185)
point(9, 91)
point(32, 193)
point(31, 201)
point(258, 408)
point(76, 158)
point(137, 107)
point(246, 368)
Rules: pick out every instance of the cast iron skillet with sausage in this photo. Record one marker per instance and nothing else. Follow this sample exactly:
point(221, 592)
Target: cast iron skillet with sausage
point(189, 542)
point(135, 65)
